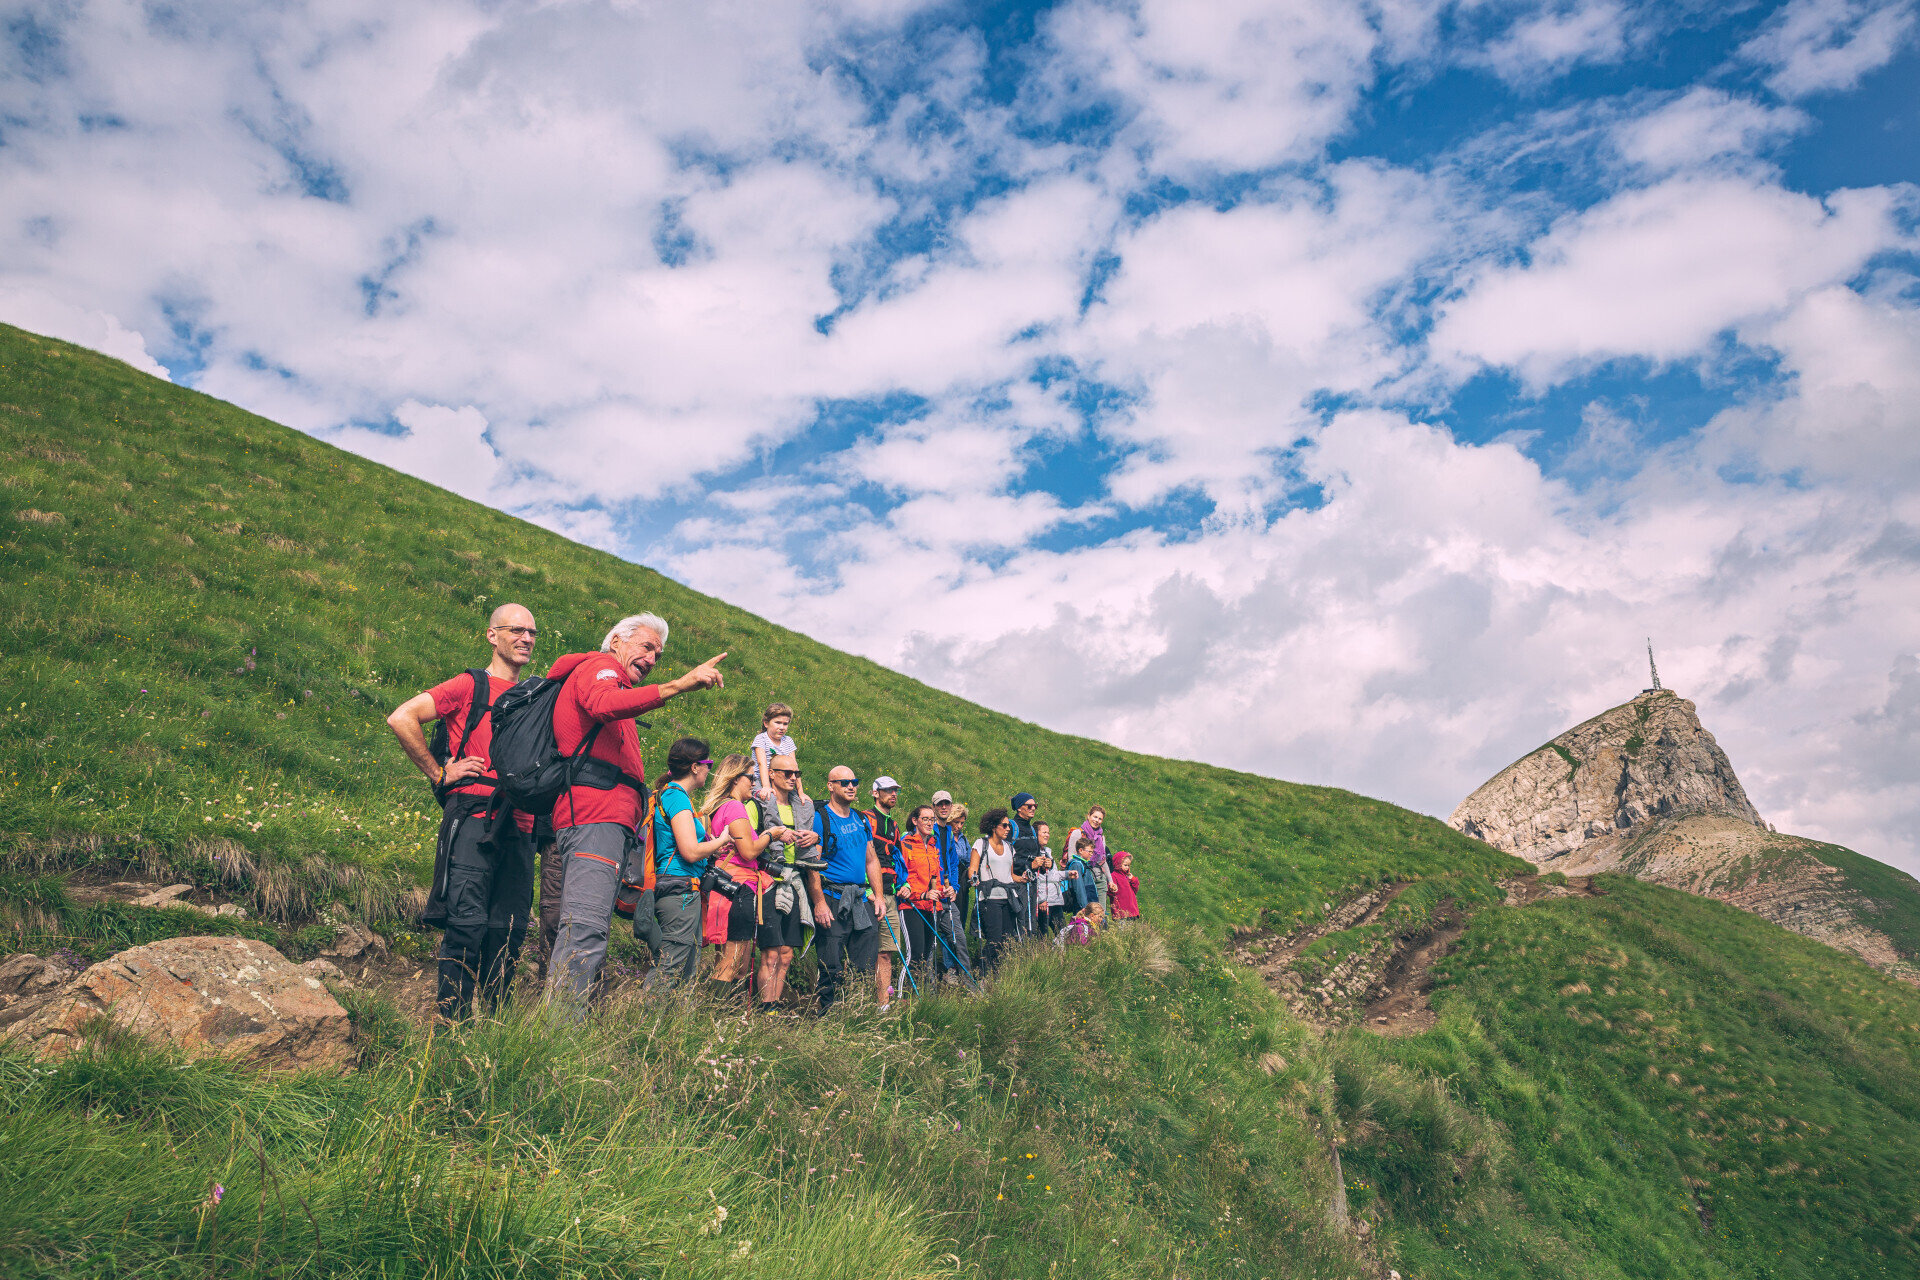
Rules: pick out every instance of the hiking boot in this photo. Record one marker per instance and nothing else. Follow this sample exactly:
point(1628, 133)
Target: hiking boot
point(809, 860)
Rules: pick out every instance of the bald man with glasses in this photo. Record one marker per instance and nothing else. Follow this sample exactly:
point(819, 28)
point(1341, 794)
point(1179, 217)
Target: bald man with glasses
point(482, 869)
point(846, 923)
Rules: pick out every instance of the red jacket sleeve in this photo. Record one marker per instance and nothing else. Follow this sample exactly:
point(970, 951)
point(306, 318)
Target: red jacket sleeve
point(605, 700)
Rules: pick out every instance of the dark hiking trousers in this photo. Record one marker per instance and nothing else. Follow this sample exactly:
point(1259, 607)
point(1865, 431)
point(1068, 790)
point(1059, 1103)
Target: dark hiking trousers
point(997, 928)
point(489, 898)
point(841, 944)
point(922, 951)
point(553, 874)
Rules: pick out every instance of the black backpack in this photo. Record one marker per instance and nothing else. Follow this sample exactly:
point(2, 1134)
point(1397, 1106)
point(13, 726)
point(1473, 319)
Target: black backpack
point(442, 747)
point(526, 756)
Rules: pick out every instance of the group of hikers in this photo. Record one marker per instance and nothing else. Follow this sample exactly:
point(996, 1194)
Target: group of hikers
point(543, 778)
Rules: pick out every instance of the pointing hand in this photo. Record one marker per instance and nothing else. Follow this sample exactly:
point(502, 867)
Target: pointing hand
point(707, 674)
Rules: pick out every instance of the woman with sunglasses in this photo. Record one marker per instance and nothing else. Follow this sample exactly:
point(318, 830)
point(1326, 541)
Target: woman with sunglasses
point(996, 883)
point(748, 914)
point(681, 851)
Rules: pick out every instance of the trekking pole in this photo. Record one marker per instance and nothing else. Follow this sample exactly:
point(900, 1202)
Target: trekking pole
point(905, 963)
point(939, 937)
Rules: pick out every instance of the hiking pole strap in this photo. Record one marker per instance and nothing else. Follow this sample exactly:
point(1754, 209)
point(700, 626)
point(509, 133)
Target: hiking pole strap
point(905, 963)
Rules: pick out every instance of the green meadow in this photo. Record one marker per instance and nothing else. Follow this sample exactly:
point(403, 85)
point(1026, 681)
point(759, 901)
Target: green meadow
point(213, 615)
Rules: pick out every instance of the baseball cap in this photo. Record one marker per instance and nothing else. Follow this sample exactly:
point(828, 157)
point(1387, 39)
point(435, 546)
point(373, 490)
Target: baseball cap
point(884, 783)
point(942, 797)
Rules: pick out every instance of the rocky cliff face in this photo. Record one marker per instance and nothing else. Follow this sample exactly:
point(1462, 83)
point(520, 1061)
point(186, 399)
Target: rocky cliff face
point(1645, 791)
point(1650, 758)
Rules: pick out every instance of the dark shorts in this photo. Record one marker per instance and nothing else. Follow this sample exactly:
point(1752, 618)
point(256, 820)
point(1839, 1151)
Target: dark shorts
point(782, 928)
point(760, 921)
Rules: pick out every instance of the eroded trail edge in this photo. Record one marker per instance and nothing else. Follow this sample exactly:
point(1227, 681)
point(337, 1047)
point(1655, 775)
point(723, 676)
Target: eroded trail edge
point(1383, 982)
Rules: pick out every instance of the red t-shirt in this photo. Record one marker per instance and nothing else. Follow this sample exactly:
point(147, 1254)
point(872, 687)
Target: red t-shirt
point(451, 698)
point(1126, 894)
point(597, 693)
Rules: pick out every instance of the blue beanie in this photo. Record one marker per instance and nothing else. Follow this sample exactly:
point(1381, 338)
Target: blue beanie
point(1019, 800)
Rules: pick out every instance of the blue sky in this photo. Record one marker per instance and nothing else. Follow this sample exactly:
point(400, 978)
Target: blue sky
point(1337, 390)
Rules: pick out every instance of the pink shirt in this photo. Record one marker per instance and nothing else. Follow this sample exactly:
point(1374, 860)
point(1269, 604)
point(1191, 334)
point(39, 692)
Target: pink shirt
point(1126, 894)
point(741, 869)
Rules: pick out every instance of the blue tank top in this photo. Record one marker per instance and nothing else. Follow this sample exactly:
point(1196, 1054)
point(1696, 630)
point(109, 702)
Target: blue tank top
point(666, 854)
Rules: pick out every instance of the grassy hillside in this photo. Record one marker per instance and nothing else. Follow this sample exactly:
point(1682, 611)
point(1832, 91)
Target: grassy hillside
point(215, 614)
point(1689, 1091)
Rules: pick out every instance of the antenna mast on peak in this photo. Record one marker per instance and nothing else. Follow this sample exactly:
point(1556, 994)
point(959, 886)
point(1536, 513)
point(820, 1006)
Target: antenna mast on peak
point(1653, 667)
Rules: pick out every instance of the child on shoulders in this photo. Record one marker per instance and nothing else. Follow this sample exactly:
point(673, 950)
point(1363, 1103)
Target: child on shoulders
point(774, 740)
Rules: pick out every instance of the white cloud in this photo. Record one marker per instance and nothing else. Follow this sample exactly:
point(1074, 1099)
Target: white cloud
point(444, 446)
point(43, 313)
point(1659, 273)
point(1550, 42)
point(1702, 126)
point(1227, 84)
point(1854, 412)
point(1818, 46)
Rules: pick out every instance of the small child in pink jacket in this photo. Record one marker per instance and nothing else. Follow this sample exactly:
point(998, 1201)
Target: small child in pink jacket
point(1126, 888)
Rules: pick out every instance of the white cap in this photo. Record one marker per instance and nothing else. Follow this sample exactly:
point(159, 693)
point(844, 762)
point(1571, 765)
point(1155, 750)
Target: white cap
point(942, 797)
point(884, 783)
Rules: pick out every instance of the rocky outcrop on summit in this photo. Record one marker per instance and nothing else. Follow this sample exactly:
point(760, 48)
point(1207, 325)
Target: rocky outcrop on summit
point(1644, 790)
point(1650, 758)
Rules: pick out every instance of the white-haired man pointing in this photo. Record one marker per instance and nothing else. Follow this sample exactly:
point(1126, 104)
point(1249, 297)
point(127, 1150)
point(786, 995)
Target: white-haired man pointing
point(595, 830)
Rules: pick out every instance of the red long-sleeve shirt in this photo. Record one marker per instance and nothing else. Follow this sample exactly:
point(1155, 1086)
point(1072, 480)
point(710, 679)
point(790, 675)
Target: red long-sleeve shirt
point(598, 692)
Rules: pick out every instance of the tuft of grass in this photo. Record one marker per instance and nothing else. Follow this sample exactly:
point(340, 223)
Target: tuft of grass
point(1573, 765)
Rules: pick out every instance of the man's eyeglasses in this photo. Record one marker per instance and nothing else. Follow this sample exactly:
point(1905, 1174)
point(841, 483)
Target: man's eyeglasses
point(519, 632)
point(843, 782)
point(785, 773)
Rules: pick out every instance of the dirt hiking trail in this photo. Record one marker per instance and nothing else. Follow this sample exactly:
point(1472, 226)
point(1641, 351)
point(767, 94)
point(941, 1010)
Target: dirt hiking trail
point(1384, 988)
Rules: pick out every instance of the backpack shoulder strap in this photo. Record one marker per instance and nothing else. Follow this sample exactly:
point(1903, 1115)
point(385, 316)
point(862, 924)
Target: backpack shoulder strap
point(646, 839)
point(478, 705)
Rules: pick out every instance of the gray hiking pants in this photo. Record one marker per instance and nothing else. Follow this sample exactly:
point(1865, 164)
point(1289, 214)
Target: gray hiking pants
point(592, 857)
point(678, 915)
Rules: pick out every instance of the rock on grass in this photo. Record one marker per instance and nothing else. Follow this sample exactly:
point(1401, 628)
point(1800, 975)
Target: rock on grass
point(234, 997)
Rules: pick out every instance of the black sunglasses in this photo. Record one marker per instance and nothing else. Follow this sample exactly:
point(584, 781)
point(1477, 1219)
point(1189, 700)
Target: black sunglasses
point(843, 782)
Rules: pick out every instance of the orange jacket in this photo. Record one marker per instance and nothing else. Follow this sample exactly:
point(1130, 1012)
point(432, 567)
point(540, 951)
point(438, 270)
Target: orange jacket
point(921, 859)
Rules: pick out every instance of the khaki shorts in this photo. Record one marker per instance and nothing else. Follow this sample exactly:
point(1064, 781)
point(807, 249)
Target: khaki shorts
point(892, 931)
